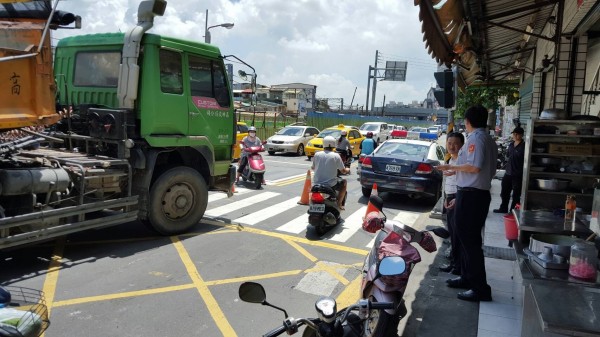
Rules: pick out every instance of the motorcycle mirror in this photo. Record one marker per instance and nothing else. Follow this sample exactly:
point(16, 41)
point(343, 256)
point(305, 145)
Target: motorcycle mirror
point(441, 232)
point(392, 265)
point(252, 292)
point(376, 201)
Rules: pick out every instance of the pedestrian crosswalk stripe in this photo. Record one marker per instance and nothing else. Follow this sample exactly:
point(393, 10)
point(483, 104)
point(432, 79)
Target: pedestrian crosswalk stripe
point(295, 226)
point(407, 217)
point(350, 226)
point(230, 207)
point(265, 213)
point(218, 196)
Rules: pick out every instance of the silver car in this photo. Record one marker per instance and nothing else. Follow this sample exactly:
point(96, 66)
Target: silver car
point(291, 139)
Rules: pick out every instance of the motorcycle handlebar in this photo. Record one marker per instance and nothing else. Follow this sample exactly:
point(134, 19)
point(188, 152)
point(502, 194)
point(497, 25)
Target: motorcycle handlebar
point(275, 332)
point(382, 305)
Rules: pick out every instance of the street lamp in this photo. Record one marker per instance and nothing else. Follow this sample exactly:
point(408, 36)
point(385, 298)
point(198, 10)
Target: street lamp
point(207, 33)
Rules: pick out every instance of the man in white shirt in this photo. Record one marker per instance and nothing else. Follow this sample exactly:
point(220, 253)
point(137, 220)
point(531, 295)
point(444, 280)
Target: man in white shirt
point(326, 164)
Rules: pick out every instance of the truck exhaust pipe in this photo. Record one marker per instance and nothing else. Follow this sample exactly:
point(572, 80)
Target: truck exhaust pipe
point(129, 71)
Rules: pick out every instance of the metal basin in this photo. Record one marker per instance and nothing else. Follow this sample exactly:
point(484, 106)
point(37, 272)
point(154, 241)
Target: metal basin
point(560, 244)
point(553, 114)
point(548, 161)
point(547, 184)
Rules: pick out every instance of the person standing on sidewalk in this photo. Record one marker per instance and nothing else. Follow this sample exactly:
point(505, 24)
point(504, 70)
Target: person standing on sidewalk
point(474, 172)
point(513, 177)
point(454, 141)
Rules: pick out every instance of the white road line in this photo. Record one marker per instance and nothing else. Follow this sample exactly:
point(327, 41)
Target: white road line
point(308, 164)
point(218, 196)
point(351, 225)
point(265, 213)
point(287, 178)
point(295, 226)
point(407, 217)
point(234, 206)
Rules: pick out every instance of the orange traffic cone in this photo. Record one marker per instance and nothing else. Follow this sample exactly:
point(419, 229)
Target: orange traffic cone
point(233, 188)
point(307, 183)
point(370, 206)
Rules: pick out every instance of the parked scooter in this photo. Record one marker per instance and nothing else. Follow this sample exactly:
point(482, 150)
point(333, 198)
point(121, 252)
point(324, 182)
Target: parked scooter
point(393, 239)
point(254, 171)
point(330, 322)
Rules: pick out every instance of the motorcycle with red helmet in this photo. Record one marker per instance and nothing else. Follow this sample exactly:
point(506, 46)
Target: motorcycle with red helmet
point(393, 241)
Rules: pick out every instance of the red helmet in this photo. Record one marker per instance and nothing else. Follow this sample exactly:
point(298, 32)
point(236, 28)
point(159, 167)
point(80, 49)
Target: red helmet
point(373, 221)
point(369, 134)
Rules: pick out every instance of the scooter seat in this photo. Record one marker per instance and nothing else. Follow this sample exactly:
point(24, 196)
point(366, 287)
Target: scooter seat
point(323, 189)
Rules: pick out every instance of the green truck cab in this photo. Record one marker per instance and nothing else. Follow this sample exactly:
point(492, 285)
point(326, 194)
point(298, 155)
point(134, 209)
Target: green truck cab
point(147, 127)
point(174, 98)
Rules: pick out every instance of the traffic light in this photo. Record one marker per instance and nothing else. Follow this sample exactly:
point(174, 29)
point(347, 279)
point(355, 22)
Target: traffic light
point(444, 95)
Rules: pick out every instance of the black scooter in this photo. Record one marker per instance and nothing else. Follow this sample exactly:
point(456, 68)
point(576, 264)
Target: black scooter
point(323, 211)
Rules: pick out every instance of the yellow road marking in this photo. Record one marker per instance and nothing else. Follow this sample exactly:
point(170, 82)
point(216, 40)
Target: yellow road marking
point(211, 304)
point(123, 295)
point(253, 278)
point(49, 287)
point(332, 270)
point(288, 237)
point(289, 182)
point(302, 251)
point(350, 294)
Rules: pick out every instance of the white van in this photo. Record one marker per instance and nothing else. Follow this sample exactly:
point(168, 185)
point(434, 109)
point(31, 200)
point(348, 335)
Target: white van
point(381, 131)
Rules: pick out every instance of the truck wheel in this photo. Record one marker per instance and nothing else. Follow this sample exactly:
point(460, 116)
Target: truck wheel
point(177, 202)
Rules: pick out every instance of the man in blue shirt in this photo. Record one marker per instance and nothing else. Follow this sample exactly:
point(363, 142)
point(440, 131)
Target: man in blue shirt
point(474, 172)
point(368, 145)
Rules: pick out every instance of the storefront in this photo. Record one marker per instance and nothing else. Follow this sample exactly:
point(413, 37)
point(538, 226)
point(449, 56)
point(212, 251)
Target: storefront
point(551, 51)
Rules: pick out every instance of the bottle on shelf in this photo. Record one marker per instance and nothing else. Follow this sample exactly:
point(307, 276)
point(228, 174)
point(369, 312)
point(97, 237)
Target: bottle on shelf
point(570, 208)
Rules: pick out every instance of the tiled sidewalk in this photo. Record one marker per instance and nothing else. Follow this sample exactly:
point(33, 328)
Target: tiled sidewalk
point(502, 316)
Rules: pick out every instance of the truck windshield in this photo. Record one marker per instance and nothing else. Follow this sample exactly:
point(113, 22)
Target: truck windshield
point(97, 69)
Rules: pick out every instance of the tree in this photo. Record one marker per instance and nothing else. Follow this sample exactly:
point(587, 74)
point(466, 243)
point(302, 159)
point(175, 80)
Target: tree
point(488, 96)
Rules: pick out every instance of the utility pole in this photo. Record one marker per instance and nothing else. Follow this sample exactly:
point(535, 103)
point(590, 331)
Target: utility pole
point(354, 94)
point(383, 107)
point(374, 81)
point(206, 25)
point(368, 88)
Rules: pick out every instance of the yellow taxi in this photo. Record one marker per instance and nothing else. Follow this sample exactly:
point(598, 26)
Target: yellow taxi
point(242, 131)
point(354, 137)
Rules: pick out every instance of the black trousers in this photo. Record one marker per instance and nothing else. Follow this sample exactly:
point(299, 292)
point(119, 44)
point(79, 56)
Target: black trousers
point(514, 184)
point(471, 209)
point(454, 240)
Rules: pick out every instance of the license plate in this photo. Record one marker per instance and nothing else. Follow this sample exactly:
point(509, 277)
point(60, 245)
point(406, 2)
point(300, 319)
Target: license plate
point(316, 208)
point(393, 168)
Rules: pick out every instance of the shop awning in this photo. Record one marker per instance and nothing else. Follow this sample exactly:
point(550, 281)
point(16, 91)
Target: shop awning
point(490, 40)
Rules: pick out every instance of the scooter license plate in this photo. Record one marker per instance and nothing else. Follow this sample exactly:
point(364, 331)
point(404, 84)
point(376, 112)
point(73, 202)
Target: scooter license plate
point(316, 208)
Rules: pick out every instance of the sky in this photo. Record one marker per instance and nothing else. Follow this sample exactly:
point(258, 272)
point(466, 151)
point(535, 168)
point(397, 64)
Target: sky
point(327, 43)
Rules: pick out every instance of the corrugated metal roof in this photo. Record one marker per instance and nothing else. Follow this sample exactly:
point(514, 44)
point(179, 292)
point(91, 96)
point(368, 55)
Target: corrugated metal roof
point(490, 40)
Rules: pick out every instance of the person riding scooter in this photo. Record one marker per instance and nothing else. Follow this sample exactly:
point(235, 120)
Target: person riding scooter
point(368, 145)
point(326, 165)
point(344, 148)
point(249, 141)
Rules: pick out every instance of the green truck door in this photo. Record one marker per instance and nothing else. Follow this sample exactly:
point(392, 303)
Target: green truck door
point(210, 112)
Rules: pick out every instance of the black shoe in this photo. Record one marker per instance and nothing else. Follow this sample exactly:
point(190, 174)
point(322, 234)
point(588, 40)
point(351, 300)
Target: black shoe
point(472, 296)
point(500, 210)
point(455, 271)
point(446, 268)
point(458, 282)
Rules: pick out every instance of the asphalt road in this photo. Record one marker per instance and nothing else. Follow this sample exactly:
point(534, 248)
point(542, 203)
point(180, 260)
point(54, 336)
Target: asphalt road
point(127, 281)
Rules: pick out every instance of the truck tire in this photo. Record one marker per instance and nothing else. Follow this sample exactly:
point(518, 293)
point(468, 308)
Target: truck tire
point(177, 201)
